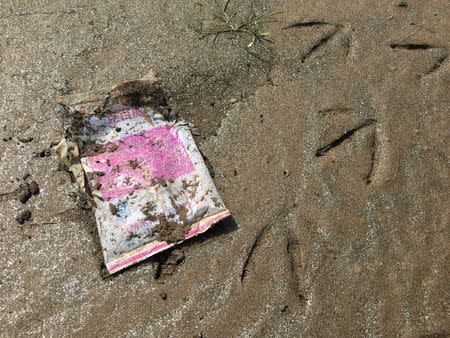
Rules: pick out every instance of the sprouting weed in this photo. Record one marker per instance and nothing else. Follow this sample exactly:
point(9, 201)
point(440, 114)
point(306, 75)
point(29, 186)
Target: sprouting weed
point(240, 21)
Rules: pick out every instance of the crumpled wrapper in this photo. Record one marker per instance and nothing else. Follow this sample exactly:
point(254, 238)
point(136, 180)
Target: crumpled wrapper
point(140, 171)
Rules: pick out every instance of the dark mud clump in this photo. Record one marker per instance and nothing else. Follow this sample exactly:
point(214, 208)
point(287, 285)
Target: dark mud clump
point(132, 235)
point(92, 148)
point(23, 139)
point(137, 93)
point(170, 231)
point(112, 147)
point(191, 187)
point(34, 188)
point(112, 209)
point(133, 164)
point(26, 190)
point(43, 153)
point(173, 231)
point(23, 217)
point(401, 3)
point(148, 210)
point(163, 295)
point(168, 262)
point(25, 193)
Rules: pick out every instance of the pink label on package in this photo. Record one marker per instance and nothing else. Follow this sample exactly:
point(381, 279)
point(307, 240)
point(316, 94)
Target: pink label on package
point(137, 161)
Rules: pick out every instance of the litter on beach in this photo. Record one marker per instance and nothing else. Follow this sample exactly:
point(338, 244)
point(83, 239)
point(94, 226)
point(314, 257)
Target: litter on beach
point(141, 172)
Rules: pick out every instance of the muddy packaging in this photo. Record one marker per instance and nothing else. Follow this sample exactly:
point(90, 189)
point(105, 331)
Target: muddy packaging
point(140, 171)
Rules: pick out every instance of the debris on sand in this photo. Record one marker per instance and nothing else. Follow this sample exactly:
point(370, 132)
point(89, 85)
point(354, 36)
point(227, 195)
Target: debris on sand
point(34, 188)
point(152, 173)
point(401, 3)
point(24, 139)
point(26, 190)
point(113, 209)
point(23, 217)
point(168, 263)
point(25, 193)
point(43, 153)
point(133, 164)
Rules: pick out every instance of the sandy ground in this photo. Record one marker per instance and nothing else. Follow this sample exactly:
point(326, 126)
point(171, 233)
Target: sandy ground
point(333, 157)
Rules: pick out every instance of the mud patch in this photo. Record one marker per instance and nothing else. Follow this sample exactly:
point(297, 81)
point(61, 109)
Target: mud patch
point(172, 231)
point(168, 262)
point(26, 190)
point(23, 217)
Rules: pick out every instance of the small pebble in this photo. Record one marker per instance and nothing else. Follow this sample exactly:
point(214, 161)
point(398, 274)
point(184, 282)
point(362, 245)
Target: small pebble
point(163, 295)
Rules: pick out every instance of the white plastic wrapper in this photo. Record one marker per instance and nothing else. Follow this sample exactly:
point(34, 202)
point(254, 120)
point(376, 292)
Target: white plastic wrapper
point(145, 177)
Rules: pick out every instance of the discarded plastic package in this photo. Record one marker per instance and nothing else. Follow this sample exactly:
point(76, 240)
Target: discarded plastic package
point(141, 172)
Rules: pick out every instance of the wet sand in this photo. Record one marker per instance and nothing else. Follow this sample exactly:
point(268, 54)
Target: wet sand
point(332, 155)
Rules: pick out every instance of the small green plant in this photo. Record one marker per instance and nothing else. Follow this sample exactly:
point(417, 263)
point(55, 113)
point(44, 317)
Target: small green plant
point(227, 20)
